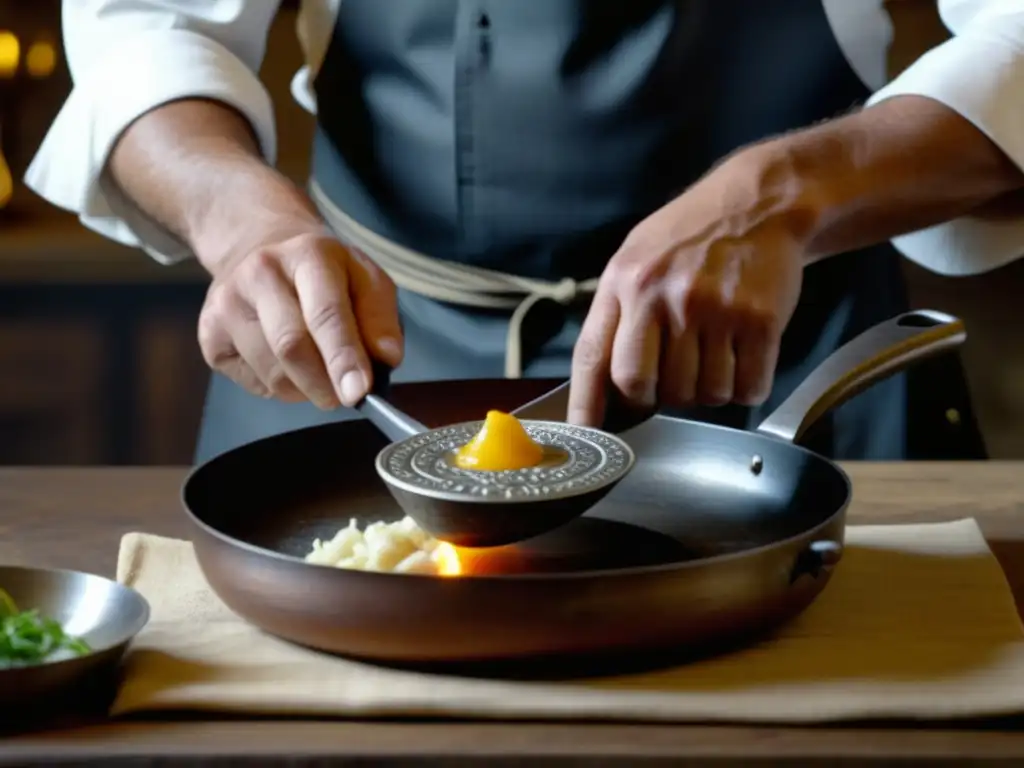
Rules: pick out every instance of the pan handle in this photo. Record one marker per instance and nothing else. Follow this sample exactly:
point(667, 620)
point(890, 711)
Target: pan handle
point(820, 557)
point(876, 354)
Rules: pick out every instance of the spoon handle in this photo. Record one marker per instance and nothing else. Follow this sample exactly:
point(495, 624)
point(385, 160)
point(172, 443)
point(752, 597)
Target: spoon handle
point(554, 406)
point(551, 406)
point(395, 424)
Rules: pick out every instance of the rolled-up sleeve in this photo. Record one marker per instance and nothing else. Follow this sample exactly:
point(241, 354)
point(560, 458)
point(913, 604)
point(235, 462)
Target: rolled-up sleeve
point(979, 73)
point(126, 58)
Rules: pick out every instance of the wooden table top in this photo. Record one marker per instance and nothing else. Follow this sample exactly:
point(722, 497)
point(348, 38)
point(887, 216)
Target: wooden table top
point(75, 518)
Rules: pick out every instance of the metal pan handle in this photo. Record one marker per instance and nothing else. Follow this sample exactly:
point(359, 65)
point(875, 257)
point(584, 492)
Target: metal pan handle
point(876, 354)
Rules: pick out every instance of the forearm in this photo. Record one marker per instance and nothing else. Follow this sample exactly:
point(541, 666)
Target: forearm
point(195, 167)
point(903, 165)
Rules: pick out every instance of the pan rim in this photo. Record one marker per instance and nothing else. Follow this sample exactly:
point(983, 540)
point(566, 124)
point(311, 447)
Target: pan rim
point(631, 571)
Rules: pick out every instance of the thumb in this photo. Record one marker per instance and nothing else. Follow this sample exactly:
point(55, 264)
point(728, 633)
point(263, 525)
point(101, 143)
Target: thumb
point(375, 305)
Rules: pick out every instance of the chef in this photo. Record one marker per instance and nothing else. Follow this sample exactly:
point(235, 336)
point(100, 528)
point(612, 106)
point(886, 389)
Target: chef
point(682, 203)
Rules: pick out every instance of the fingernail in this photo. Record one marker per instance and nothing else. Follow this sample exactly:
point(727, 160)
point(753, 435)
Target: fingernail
point(325, 401)
point(353, 387)
point(390, 348)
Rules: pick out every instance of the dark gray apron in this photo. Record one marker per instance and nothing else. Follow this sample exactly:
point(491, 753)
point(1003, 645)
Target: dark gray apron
point(529, 136)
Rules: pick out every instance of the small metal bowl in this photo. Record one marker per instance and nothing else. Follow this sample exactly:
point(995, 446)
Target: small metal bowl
point(471, 508)
point(103, 613)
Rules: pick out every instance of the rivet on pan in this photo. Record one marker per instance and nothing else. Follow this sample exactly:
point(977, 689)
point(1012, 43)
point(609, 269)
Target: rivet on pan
point(756, 464)
point(953, 416)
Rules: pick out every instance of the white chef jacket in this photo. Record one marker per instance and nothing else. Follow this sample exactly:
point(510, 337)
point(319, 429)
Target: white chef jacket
point(128, 57)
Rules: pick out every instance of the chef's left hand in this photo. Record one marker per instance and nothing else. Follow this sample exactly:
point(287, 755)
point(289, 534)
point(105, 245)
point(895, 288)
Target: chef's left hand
point(691, 308)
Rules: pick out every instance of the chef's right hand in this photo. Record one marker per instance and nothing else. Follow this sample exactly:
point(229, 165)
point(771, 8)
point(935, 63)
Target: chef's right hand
point(294, 314)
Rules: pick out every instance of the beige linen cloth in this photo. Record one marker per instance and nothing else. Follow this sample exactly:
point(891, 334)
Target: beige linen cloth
point(918, 622)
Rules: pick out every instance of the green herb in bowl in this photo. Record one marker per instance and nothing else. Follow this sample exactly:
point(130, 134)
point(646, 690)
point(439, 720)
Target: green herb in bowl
point(26, 638)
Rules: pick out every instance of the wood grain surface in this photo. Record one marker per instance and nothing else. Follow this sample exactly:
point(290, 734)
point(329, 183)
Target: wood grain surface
point(75, 518)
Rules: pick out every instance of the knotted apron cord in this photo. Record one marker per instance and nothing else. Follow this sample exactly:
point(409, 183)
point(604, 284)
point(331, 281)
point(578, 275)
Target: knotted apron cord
point(454, 283)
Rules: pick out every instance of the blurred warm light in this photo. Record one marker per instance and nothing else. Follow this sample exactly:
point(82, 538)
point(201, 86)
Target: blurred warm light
point(41, 59)
point(10, 53)
point(448, 563)
point(6, 182)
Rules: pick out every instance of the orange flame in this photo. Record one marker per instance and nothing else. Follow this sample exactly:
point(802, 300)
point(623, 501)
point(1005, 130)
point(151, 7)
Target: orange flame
point(448, 562)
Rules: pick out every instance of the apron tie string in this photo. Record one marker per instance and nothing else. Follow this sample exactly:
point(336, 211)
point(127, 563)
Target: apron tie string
point(453, 283)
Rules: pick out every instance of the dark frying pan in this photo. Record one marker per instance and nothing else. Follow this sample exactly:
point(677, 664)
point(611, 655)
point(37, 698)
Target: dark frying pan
point(717, 532)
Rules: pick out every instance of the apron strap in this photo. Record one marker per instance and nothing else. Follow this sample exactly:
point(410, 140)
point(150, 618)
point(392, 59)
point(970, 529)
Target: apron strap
point(454, 283)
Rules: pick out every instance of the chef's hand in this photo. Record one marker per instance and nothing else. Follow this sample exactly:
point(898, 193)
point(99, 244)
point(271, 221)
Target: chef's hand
point(293, 314)
point(691, 308)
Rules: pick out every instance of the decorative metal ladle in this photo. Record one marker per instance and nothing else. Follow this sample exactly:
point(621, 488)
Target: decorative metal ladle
point(474, 508)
